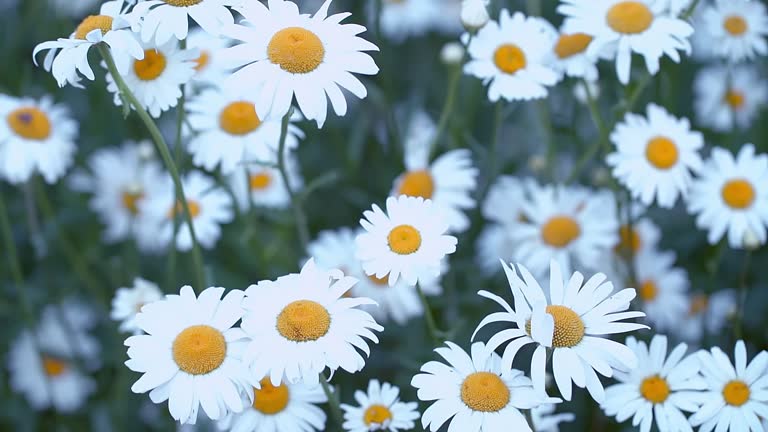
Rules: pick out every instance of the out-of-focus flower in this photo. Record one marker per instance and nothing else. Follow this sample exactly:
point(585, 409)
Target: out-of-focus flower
point(209, 68)
point(706, 312)
point(263, 185)
point(128, 302)
point(402, 19)
point(452, 53)
point(662, 289)
point(728, 97)
point(380, 409)
point(546, 420)
point(735, 29)
point(569, 55)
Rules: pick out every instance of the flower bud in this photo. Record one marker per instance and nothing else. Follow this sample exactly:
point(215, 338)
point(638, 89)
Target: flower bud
point(474, 14)
point(751, 242)
point(146, 150)
point(452, 53)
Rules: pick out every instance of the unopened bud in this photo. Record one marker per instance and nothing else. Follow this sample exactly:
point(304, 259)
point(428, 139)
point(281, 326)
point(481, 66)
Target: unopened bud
point(474, 14)
point(452, 53)
point(751, 242)
point(145, 150)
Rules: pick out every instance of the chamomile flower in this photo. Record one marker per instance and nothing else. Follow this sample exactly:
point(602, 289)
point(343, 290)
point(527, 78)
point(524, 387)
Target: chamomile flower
point(494, 243)
point(727, 98)
point(156, 79)
point(736, 29)
point(655, 155)
point(36, 136)
point(283, 407)
point(164, 19)
point(662, 288)
point(546, 420)
point(573, 324)
point(659, 390)
point(706, 312)
point(230, 132)
point(574, 226)
point(511, 55)
point(401, 19)
point(735, 392)
point(128, 302)
point(301, 324)
point(191, 354)
point(569, 55)
point(209, 68)
point(67, 57)
point(475, 392)
point(120, 179)
point(448, 181)
point(209, 206)
point(624, 27)
point(407, 241)
point(730, 196)
point(380, 409)
point(311, 57)
point(263, 186)
point(399, 303)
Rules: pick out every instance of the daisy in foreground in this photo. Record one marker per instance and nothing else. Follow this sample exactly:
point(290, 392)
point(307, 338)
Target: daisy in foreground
point(731, 196)
point(660, 389)
point(510, 55)
point(301, 324)
point(624, 27)
point(380, 409)
point(128, 302)
point(573, 324)
point(475, 392)
point(277, 408)
point(191, 353)
point(111, 27)
point(736, 29)
point(655, 155)
point(407, 241)
point(163, 19)
point(35, 137)
point(735, 396)
point(311, 57)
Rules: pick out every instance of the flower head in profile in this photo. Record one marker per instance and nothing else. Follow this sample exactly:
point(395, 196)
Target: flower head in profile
point(380, 409)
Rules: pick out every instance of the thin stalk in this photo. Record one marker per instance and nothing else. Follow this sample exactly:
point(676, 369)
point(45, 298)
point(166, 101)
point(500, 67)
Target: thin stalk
point(14, 263)
point(549, 137)
point(738, 326)
point(429, 318)
point(494, 147)
point(302, 227)
point(333, 400)
point(162, 149)
point(602, 130)
point(450, 101)
point(688, 13)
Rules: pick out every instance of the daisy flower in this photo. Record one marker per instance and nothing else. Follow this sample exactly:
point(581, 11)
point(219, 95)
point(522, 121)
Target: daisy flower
point(380, 409)
point(510, 55)
point(736, 29)
point(662, 289)
point(311, 57)
point(573, 324)
point(407, 241)
point(36, 136)
point(546, 420)
point(283, 407)
point(574, 226)
point(448, 181)
point(301, 325)
point(730, 196)
point(209, 206)
point(120, 179)
point(659, 390)
point(229, 131)
point(735, 392)
point(623, 27)
point(569, 56)
point(706, 312)
point(493, 243)
point(399, 303)
point(643, 236)
point(128, 301)
point(727, 98)
point(475, 392)
point(264, 186)
point(191, 354)
point(209, 68)
point(68, 56)
point(163, 19)
point(155, 80)
point(655, 155)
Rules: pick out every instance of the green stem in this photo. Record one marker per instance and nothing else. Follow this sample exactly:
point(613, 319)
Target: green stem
point(688, 13)
point(300, 218)
point(494, 147)
point(738, 327)
point(429, 318)
point(14, 263)
point(602, 130)
point(162, 149)
point(549, 137)
point(333, 400)
point(450, 101)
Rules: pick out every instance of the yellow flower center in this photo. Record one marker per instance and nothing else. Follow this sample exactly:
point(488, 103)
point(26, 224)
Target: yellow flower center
point(698, 305)
point(296, 50)
point(484, 392)
point(269, 399)
point(735, 99)
point(53, 367)
point(202, 61)
point(303, 321)
point(661, 152)
point(182, 3)
point(735, 25)
point(151, 67)
point(404, 240)
point(569, 328)
point(199, 349)
point(629, 240)
point(509, 58)
point(131, 201)
point(379, 281)
point(649, 290)
point(376, 415)
point(736, 393)
point(91, 23)
point(655, 389)
point(30, 123)
point(629, 17)
point(239, 118)
point(738, 194)
point(417, 184)
point(560, 231)
point(571, 44)
point(178, 209)
point(260, 181)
